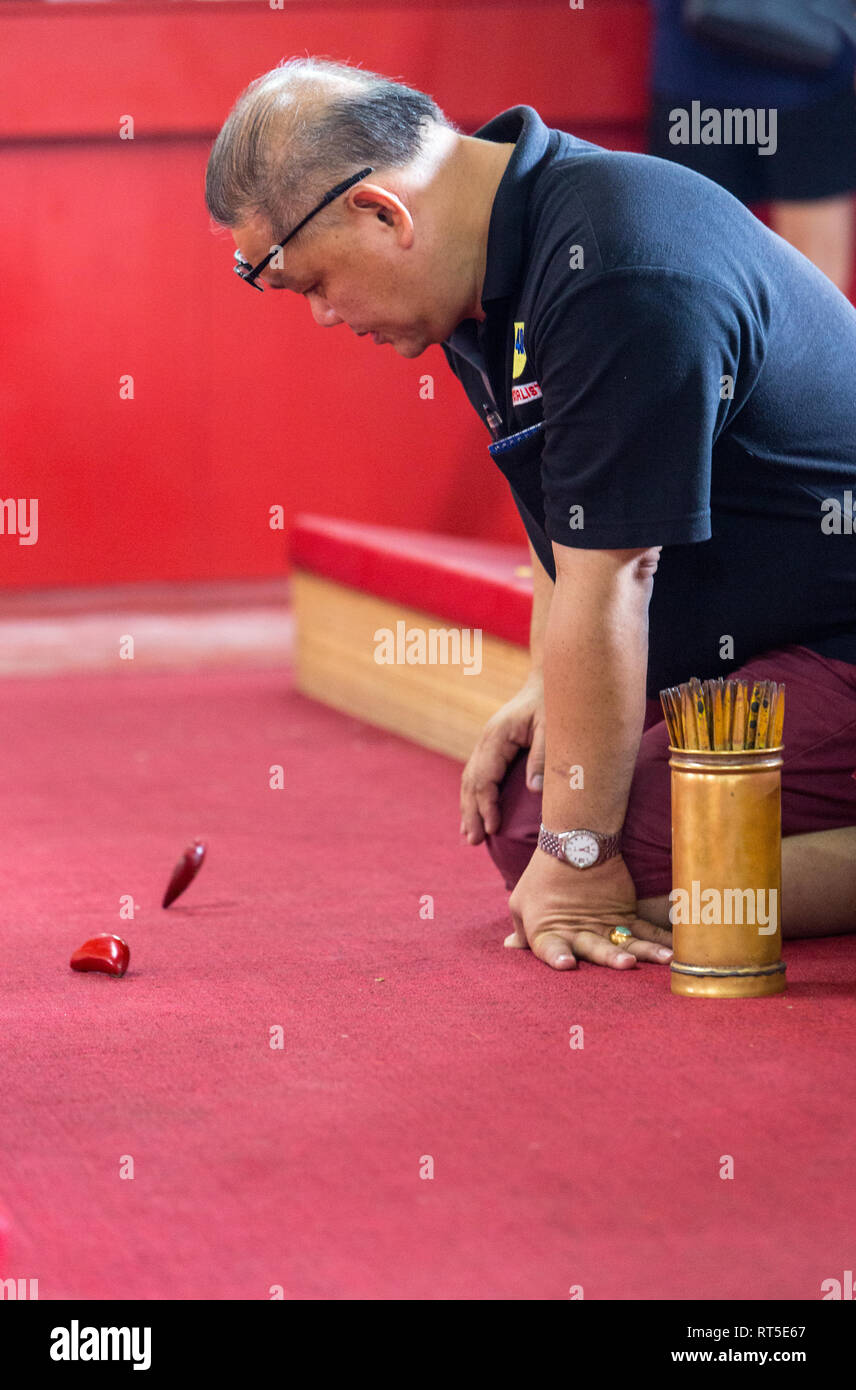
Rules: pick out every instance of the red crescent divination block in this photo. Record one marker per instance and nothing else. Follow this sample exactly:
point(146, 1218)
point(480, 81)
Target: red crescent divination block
point(109, 954)
point(184, 872)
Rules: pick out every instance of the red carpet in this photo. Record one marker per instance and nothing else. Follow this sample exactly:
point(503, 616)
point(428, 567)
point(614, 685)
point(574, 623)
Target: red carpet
point(300, 1167)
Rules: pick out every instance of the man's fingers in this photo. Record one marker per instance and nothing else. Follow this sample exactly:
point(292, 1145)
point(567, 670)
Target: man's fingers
point(517, 725)
point(590, 945)
point(488, 804)
point(485, 817)
point(535, 761)
point(480, 813)
point(554, 950)
point(480, 781)
point(517, 940)
point(657, 947)
point(472, 824)
point(646, 931)
point(595, 946)
point(647, 950)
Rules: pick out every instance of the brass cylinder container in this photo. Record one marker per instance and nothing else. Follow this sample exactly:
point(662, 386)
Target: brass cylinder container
point(726, 873)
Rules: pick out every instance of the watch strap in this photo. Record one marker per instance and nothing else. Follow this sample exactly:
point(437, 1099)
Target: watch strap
point(551, 843)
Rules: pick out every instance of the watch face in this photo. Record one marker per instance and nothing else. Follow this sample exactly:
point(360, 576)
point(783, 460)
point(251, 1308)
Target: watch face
point(581, 849)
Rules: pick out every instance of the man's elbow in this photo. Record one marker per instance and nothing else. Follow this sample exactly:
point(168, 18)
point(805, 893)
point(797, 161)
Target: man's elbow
point(644, 562)
point(603, 579)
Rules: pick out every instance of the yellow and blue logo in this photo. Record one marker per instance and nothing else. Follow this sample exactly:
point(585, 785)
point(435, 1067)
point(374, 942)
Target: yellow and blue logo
point(519, 352)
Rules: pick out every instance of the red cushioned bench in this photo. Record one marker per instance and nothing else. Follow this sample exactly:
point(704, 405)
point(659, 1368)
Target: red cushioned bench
point(422, 634)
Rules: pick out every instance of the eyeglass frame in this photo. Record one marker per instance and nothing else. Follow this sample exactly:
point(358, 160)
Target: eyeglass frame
point(251, 275)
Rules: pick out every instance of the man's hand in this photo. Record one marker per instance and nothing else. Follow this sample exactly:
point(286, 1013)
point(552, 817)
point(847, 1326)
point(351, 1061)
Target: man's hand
point(518, 724)
point(565, 915)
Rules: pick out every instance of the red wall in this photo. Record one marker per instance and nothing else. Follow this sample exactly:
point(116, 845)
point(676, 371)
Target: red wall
point(241, 402)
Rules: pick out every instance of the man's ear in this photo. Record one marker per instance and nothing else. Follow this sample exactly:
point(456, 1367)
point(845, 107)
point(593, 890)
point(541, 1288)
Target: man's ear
point(386, 206)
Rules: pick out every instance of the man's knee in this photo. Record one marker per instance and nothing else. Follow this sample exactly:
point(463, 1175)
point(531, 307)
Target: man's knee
point(513, 845)
point(646, 840)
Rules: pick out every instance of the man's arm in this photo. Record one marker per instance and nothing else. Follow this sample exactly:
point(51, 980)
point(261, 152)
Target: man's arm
point(542, 592)
point(595, 664)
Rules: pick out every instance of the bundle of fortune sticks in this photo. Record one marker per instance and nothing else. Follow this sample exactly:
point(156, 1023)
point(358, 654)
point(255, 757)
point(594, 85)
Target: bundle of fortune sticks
point(724, 715)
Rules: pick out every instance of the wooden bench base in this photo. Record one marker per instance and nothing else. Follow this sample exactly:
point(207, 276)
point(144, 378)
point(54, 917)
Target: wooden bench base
point(437, 705)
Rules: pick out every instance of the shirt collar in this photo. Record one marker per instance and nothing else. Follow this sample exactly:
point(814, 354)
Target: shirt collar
point(531, 137)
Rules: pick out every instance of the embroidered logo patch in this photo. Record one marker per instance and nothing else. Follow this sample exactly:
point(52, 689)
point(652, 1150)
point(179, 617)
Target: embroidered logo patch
point(519, 352)
point(528, 391)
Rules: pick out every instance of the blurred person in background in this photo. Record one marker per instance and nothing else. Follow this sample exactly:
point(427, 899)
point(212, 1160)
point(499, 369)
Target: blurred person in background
point(788, 56)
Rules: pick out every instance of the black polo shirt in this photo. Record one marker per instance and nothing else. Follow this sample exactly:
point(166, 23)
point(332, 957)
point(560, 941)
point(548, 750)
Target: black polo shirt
point(675, 374)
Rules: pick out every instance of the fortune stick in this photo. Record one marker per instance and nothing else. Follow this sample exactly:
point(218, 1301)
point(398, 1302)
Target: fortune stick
point(754, 707)
point(718, 724)
point(778, 718)
point(764, 714)
point(728, 714)
point(688, 718)
point(738, 733)
point(701, 713)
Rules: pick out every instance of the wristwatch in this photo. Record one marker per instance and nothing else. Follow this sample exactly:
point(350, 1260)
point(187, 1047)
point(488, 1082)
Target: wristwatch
point(582, 848)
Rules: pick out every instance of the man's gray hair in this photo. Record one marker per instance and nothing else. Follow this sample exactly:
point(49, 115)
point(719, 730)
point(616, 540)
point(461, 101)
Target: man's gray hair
point(303, 127)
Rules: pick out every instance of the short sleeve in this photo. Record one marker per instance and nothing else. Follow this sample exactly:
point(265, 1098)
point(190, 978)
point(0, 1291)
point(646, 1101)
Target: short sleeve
point(640, 370)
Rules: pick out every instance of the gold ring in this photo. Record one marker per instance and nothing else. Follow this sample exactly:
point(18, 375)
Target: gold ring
point(621, 936)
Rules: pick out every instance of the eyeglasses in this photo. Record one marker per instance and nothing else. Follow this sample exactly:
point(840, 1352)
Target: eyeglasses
point(251, 273)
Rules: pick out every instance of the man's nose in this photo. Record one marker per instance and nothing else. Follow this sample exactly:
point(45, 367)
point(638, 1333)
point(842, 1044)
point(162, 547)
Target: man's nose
point(323, 313)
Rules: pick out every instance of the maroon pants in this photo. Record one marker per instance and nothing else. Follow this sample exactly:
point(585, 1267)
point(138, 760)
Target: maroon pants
point(818, 772)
